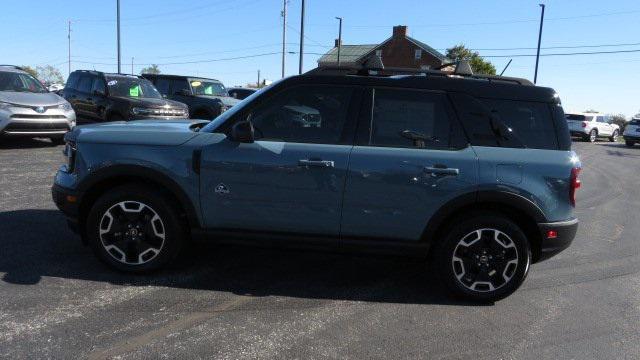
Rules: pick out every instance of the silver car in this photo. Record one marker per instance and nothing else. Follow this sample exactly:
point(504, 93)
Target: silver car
point(27, 108)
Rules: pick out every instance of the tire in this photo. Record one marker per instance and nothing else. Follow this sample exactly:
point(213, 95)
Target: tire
point(629, 143)
point(469, 258)
point(135, 229)
point(58, 140)
point(593, 136)
point(614, 136)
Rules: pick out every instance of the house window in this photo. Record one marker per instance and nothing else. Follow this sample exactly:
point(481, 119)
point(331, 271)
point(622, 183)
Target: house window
point(379, 53)
point(418, 54)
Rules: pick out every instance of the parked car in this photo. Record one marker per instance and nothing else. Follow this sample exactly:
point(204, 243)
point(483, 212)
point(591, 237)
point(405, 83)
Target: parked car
point(240, 93)
point(478, 176)
point(632, 132)
point(591, 126)
point(55, 87)
point(206, 98)
point(99, 97)
point(28, 109)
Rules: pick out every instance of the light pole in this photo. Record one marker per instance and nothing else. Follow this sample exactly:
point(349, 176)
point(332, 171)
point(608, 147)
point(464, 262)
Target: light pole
point(118, 30)
point(69, 44)
point(339, 38)
point(284, 33)
point(301, 38)
point(535, 76)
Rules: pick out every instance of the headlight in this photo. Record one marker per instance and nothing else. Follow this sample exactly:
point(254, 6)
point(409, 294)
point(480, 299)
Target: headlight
point(65, 106)
point(70, 153)
point(159, 111)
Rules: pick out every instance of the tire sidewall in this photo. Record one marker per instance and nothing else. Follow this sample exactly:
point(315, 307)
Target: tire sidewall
point(174, 230)
point(462, 228)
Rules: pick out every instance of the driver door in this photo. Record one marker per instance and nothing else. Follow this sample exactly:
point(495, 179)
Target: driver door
point(292, 178)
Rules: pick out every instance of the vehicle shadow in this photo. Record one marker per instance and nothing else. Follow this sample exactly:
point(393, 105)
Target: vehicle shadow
point(24, 143)
point(37, 243)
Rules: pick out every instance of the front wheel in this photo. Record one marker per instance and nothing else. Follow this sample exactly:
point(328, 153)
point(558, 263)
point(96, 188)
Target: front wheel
point(614, 136)
point(135, 229)
point(483, 257)
point(629, 143)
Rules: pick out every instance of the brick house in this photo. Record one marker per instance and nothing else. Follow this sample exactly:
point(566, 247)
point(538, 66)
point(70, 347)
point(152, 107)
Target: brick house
point(400, 50)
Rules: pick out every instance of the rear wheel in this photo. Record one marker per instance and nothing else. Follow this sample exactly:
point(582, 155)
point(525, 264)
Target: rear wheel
point(614, 136)
point(629, 143)
point(135, 229)
point(483, 257)
point(593, 136)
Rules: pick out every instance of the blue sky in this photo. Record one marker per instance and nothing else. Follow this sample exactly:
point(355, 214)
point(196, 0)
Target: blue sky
point(170, 31)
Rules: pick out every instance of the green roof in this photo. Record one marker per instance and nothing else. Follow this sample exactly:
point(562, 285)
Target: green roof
point(348, 53)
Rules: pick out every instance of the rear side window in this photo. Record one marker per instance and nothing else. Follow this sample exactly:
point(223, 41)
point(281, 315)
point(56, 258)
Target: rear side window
point(180, 84)
point(530, 121)
point(634, 122)
point(84, 84)
point(72, 81)
point(411, 119)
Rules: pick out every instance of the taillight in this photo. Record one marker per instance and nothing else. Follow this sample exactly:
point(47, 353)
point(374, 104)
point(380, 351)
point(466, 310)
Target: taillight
point(574, 185)
point(584, 124)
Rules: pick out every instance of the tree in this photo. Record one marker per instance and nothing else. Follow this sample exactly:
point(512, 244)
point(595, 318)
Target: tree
point(153, 69)
point(619, 120)
point(478, 64)
point(49, 74)
point(30, 70)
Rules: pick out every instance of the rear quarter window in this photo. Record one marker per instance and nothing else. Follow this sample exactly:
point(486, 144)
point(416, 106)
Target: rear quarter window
point(532, 122)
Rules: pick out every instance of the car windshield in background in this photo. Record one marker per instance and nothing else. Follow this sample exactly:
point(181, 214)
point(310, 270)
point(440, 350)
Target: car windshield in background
point(19, 82)
point(204, 87)
point(575, 117)
point(131, 87)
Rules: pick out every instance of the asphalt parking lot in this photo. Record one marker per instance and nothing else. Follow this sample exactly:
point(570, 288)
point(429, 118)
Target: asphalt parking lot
point(58, 301)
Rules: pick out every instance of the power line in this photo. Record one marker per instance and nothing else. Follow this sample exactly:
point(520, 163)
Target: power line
point(189, 62)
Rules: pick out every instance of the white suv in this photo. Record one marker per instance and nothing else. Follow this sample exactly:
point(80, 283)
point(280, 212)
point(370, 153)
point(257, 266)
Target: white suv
point(590, 126)
point(632, 132)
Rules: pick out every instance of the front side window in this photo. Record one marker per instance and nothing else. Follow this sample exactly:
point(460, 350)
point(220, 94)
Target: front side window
point(600, 119)
point(20, 82)
point(85, 83)
point(131, 87)
point(205, 87)
point(410, 119)
point(304, 114)
point(163, 86)
point(180, 86)
point(98, 86)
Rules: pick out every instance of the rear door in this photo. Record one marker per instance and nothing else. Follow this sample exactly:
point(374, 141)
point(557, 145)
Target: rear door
point(97, 102)
point(291, 179)
point(82, 98)
point(410, 158)
point(603, 127)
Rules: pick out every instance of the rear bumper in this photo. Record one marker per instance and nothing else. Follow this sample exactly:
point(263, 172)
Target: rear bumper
point(565, 233)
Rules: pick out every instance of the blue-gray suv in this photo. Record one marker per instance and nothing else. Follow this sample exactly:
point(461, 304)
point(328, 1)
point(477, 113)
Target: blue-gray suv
point(473, 173)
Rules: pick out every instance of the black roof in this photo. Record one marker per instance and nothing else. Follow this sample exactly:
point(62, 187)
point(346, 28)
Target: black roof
point(177, 76)
point(476, 85)
point(96, 72)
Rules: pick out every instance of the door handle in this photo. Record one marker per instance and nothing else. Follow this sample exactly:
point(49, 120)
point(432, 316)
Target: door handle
point(316, 163)
point(437, 170)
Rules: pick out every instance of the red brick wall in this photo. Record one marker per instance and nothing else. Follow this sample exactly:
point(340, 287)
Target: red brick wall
point(400, 52)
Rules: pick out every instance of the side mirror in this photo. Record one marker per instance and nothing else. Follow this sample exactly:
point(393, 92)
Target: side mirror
point(183, 92)
point(243, 132)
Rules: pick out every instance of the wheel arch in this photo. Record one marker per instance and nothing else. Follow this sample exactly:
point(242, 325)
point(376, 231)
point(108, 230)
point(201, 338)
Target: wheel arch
point(108, 178)
point(516, 208)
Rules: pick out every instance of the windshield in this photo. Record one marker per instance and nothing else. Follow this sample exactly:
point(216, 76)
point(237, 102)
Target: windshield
point(131, 87)
point(206, 87)
point(576, 117)
point(20, 82)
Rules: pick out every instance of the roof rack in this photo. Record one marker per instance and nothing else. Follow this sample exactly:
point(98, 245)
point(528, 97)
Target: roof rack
point(462, 69)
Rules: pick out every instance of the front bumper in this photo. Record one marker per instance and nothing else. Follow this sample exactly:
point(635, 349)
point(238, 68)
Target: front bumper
point(565, 233)
point(68, 201)
point(24, 121)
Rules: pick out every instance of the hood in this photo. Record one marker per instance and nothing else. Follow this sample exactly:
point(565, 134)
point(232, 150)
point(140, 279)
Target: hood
point(152, 102)
point(227, 101)
point(31, 99)
point(140, 132)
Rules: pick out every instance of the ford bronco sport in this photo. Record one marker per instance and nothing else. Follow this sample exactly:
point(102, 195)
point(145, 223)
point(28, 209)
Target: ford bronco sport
point(475, 173)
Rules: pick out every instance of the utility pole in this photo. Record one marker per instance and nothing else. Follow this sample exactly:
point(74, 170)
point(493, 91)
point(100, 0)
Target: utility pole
point(535, 76)
point(132, 65)
point(339, 38)
point(284, 33)
point(258, 83)
point(69, 45)
point(301, 38)
point(118, 30)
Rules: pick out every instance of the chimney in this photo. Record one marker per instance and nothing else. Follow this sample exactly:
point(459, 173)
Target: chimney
point(399, 31)
point(337, 43)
